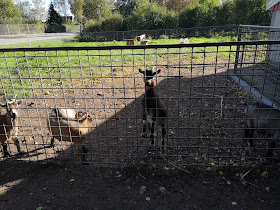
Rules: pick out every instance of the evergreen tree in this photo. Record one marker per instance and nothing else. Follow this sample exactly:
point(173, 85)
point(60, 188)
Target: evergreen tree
point(54, 17)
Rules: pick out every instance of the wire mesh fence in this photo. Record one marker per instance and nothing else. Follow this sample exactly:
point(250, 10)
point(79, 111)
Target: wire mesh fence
point(156, 34)
point(13, 29)
point(264, 79)
point(103, 88)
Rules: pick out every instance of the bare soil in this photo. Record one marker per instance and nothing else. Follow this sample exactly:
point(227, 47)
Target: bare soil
point(205, 128)
point(59, 186)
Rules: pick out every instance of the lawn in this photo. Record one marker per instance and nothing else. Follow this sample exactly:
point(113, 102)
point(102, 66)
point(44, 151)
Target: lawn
point(34, 70)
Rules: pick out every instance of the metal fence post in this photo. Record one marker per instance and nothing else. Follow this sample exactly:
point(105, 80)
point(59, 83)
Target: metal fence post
point(237, 51)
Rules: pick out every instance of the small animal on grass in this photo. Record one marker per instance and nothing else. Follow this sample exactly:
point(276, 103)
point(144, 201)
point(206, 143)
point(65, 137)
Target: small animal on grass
point(154, 110)
point(9, 124)
point(263, 119)
point(67, 125)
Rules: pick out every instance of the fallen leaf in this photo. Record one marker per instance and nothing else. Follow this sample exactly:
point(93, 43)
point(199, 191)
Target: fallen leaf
point(148, 198)
point(211, 160)
point(39, 208)
point(228, 183)
point(143, 189)
point(47, 92)
point(221, 173)
point(72, 180)
point(265, 174)
point(267, 189)
point(244, 183)
point(234, 203)
point(162, 189)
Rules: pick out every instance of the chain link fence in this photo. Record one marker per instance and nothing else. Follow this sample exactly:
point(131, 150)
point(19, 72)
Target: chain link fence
point(155, 34)
point(14, 29)
point(205, 122)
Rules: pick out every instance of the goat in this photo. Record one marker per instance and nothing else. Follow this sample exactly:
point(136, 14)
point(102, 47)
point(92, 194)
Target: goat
point(9, 125)
point(263, 119)
point(154, 110)
point(67, 125)
point(141, 37)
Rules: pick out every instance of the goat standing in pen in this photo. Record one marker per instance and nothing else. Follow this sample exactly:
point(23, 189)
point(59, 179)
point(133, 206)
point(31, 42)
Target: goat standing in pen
point(67, 125)
point(9, 125)
point(263, 119)
point(154, 110)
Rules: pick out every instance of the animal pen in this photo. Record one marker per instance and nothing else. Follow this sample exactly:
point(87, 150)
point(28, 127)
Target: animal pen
point(205, 122)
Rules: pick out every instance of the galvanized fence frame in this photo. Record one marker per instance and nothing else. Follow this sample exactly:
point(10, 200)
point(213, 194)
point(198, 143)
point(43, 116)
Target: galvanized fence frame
point(266, 84)
point(205, 123)
point(158, 33)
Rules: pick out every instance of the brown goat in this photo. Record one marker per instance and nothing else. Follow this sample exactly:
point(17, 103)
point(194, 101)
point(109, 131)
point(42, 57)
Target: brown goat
point(63, 126)
point(9, 125)
point(154, 110)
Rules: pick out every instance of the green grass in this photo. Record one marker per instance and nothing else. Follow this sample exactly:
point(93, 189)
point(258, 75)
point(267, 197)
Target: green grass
point(37, 71)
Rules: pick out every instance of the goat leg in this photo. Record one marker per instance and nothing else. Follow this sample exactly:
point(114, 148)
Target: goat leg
point(5, 150)
point(163, 133)
point(249, 134)
point(84, 151)
point(52, 142)
point(18, 146)
point(153, 131)
point(272, 146)
point(144, 132)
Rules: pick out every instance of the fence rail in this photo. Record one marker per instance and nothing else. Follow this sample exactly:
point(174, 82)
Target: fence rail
point(205, 123)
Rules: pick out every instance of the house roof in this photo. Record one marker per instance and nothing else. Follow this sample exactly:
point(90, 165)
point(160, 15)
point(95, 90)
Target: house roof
point(271, 3)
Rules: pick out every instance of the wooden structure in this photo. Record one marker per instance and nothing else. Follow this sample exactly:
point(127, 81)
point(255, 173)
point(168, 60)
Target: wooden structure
point(184, 41)
point(274, 6)
point(144, 41)
point(129, 41)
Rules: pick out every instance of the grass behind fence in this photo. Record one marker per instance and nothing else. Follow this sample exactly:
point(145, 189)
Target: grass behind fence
point(24, 73)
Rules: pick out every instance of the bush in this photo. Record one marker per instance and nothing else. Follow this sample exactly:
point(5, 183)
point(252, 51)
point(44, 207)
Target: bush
point(55, 29)
point(112, 23)
point(163, 36)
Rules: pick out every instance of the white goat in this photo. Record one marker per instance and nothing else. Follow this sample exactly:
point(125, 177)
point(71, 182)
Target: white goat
point(67, 125)
point(9, 125)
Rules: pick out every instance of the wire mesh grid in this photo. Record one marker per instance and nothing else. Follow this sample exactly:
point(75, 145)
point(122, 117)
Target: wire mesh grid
point(205, 123)
point(263, 78)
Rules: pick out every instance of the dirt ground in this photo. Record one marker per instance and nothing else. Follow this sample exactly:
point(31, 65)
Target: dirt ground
point(205, 121)
point(59, 186)
point(205, 128)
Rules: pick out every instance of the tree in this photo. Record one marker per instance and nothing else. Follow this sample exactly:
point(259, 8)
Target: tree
point(76, 7)
point(54, 17)
point(137, 19)
point(62, 6)
point(32, 12)
point(125, 7)
point(97, 9)
point(9, 13)
point(178, 5)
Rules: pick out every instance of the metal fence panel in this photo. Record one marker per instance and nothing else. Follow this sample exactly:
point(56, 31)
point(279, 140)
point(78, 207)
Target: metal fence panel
point(205, 123)
point(14, 29)
point(155, 34)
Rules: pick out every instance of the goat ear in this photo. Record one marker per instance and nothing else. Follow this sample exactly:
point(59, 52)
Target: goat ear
point(158, 71)
point(19, 102)
point(89, 118)
point(141, 71)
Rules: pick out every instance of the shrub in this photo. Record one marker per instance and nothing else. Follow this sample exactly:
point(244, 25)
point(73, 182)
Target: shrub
point(55, 29)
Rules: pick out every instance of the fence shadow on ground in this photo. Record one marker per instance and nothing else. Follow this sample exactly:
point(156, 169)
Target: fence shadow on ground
point(205, 123)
